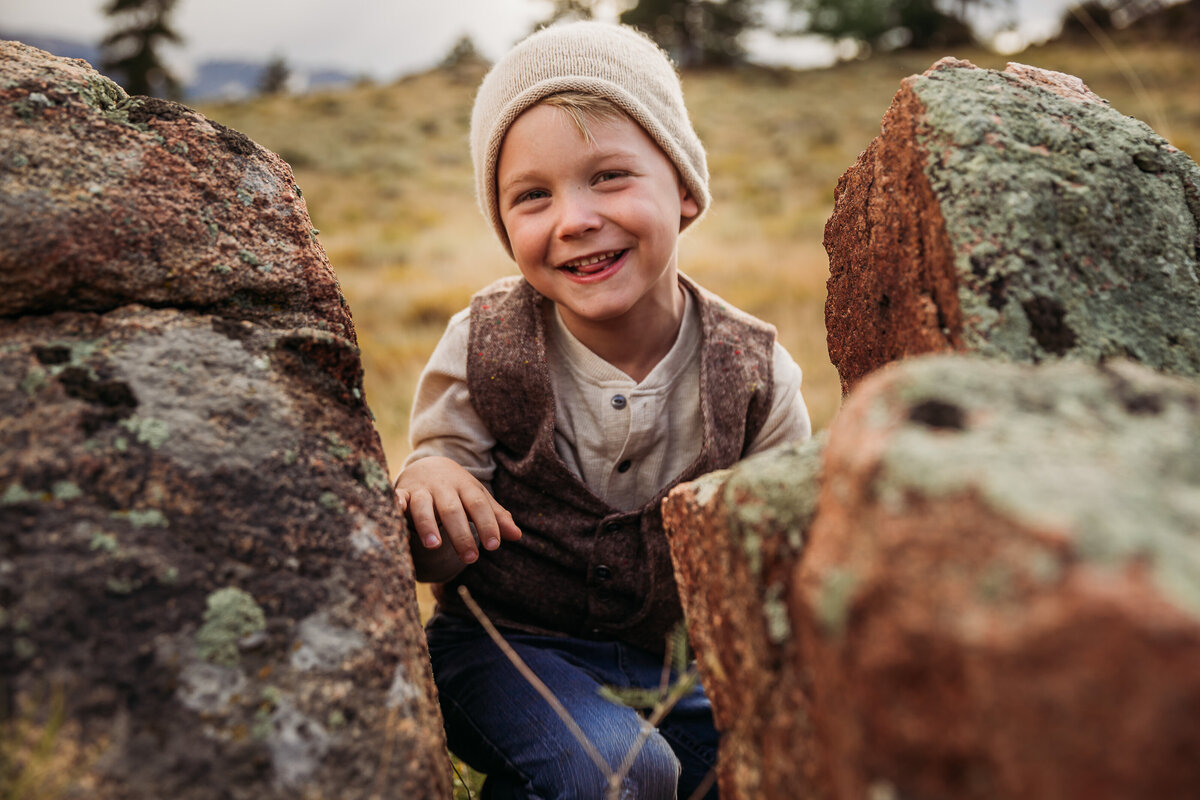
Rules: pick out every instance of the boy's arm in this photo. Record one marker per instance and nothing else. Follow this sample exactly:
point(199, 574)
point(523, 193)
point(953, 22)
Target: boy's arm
point(442, 487)
point(788, 419)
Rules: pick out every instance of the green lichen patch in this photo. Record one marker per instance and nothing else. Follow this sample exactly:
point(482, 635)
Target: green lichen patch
point(100, 93)
point(834, 600)
point(15, 493)
point(121, 586)
point(774, 494)
point(1074, 227)
point(147, 430)
point(336, 447)
point(230, 615)
point(36, 378)
point(374, 476)
point(1105, 456)
point(66, 490)
point(104, 542)
point(332, 503)
point(142, 517)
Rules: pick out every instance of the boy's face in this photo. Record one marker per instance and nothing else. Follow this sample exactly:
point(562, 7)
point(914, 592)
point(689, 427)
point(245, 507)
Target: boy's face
point(593, 225)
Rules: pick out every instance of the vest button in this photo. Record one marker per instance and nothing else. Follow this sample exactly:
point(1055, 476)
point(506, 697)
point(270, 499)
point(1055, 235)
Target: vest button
point(603, 573)
point(618, 401)
point(624, 466)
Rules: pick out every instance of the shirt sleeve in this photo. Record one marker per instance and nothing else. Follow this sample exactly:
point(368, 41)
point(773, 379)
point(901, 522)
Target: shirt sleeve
point(444, 422)
point(788, 419)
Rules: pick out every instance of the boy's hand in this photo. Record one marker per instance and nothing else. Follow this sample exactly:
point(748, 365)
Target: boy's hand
point(437, 489)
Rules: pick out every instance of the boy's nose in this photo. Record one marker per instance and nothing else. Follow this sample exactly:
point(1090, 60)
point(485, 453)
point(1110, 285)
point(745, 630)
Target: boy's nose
point(576, 216)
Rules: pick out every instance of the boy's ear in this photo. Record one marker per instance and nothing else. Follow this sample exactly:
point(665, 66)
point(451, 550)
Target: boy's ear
point(688, 207)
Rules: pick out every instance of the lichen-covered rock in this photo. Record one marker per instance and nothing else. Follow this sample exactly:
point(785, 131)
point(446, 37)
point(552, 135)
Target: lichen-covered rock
point(1013, 214)
point(204, 587)
point(1000, 594)
point(107, 199)
point(735, 536)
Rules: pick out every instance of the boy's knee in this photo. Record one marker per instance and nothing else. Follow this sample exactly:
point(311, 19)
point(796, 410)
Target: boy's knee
point(655, 774)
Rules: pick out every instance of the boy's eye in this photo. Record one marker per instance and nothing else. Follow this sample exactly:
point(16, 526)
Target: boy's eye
point(532, 194)
point(609, 176)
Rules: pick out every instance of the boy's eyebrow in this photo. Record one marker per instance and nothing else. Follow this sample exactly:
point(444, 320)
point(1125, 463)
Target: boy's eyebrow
point(536, 176)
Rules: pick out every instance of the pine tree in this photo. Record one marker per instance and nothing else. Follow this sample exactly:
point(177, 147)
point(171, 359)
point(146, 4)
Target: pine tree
point(275, 76)
point(696, 32)
point(569, 10)
point(888, 24)
point(131, 52)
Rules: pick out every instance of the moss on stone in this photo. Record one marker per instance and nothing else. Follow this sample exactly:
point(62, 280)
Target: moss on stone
point(332, 503)
point(35, 380)
point(336, 447)
point(774, 493)
point(66, 490)
point(147, 430)
point(1106, 456)
point(230, 615)
point(835, 598)
point(16, 493)
point(374, 476)
point(142, 517)
point(1074, 227)
point(105, 542)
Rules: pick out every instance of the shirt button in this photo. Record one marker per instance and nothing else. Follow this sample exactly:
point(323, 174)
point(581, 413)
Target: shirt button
point(624, 466)
point(603, 573)
point(618, 401)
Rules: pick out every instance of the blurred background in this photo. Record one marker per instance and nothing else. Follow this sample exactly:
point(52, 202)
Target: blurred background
point(369, 102)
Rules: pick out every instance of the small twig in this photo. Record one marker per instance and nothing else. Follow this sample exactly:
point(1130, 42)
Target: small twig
point(535, 682)
point(682, 686)
point(705, 785)
point(462, 780)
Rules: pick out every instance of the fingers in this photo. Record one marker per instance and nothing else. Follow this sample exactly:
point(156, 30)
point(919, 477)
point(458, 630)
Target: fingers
point(448, 506)
point(423, 515)
point(508, 528)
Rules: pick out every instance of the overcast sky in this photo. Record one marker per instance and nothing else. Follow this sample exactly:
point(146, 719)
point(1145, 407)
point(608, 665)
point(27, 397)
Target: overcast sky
point(379, 38)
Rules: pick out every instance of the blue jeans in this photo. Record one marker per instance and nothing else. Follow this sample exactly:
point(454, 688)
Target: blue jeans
point(501, 726)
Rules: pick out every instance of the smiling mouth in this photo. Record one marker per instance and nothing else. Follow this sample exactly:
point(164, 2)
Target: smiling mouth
point(590, 265)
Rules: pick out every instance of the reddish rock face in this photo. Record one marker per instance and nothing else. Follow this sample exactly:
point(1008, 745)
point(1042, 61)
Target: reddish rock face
point(1013, 214)
point(734, 537)
point(999, 594)
point(107, 200)
point(204, 587)
point(985, 587)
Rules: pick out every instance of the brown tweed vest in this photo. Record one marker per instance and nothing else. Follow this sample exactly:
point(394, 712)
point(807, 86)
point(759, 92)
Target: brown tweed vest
point(583, 568)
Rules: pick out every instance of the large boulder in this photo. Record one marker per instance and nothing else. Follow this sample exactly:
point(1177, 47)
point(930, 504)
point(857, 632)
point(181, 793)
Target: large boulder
point(1017, 215)
point(997, 592)
point(735, 536)
point(108, 199)
point(1000, 596)
point(204, 588)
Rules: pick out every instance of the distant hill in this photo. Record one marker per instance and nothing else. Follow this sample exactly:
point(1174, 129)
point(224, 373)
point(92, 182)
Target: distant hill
point(215, 79)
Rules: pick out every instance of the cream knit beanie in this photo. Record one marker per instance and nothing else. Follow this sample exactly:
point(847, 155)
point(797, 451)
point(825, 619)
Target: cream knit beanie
point(611, 61)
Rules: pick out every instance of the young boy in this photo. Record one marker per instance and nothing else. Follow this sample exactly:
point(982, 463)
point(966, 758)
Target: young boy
point(559, 409)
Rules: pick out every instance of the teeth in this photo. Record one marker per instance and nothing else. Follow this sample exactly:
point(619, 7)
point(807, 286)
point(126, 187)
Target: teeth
point(587, 262)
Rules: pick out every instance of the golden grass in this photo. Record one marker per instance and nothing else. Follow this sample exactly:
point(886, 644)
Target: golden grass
point(387, 177)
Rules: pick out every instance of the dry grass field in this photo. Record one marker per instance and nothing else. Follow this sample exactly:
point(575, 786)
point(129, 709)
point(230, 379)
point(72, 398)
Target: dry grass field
point(387, 176)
